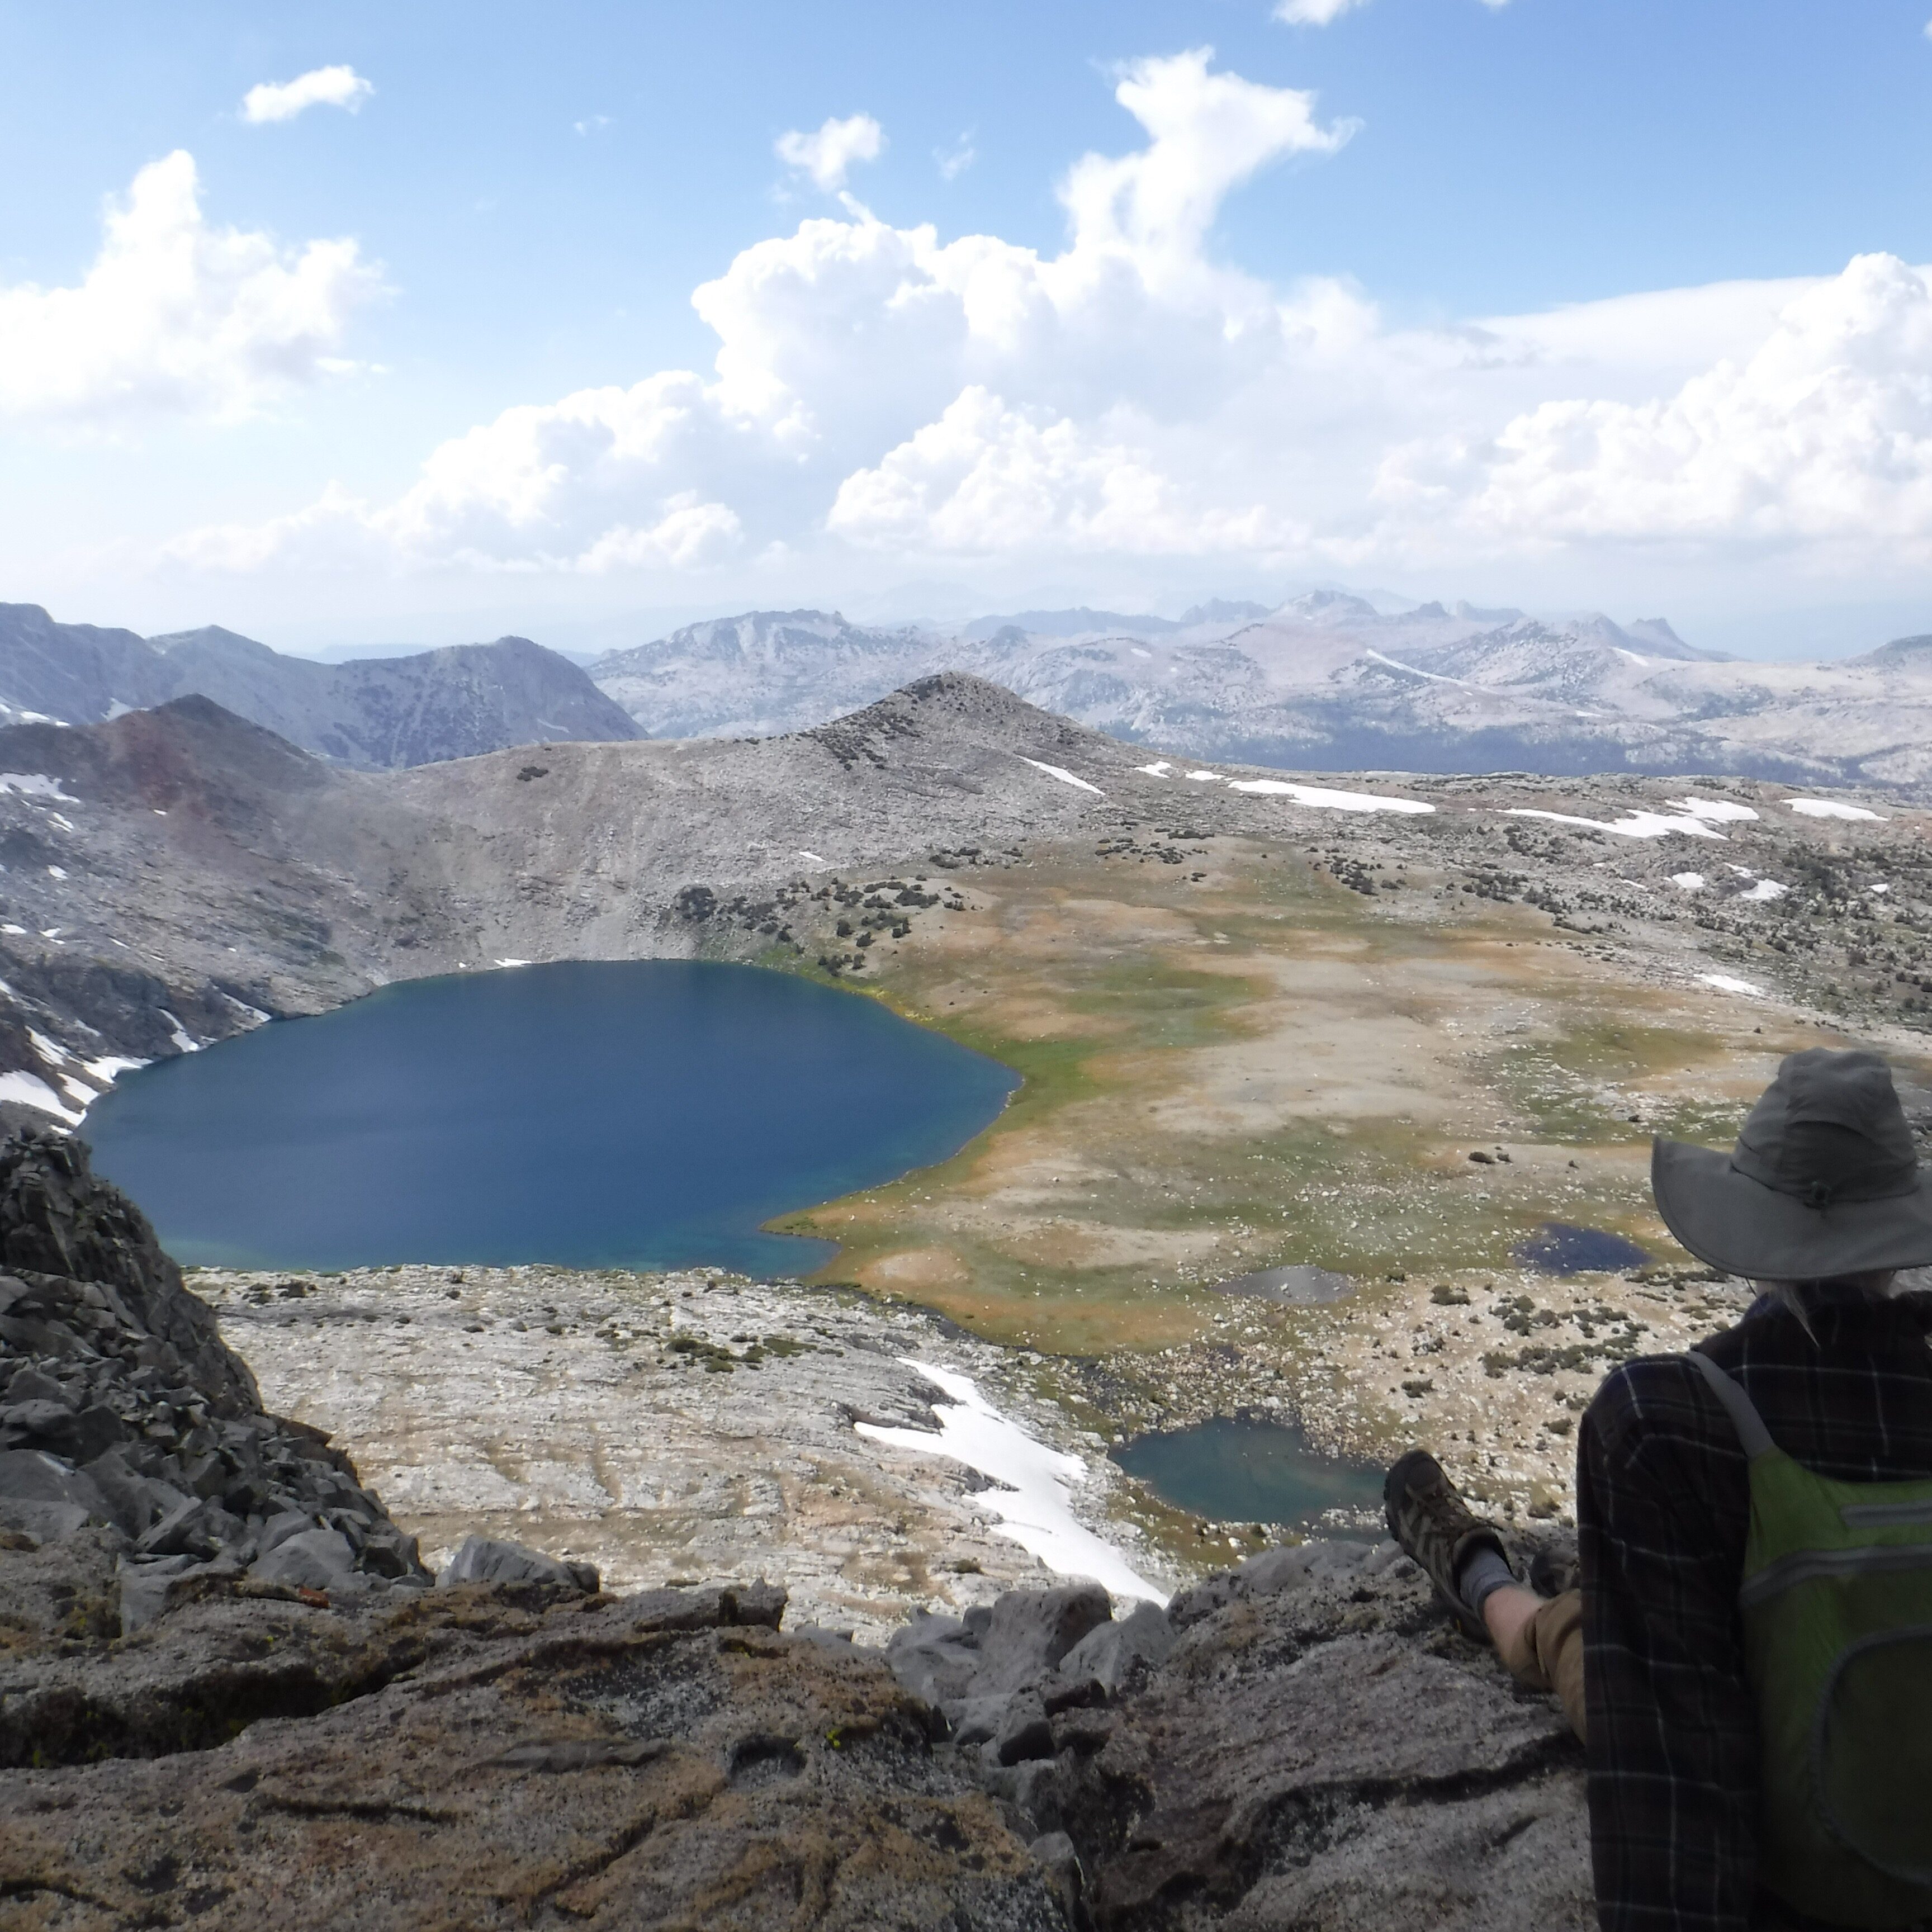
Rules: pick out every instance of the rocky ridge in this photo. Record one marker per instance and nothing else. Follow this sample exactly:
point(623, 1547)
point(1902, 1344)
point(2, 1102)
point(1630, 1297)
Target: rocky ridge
point(120, 1404)
point(373, 713)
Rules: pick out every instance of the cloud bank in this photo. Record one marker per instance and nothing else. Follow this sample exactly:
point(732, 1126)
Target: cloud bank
point(877, 392)
point(320, 87)
point(176, 316)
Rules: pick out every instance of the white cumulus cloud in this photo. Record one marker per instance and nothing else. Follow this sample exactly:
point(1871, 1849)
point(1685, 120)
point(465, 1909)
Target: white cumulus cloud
point(880, 396)
point(176, 315)
point(1822, 434)
point(988, 480)
point(320, 87)
point(828, 156)
point(1314, 13)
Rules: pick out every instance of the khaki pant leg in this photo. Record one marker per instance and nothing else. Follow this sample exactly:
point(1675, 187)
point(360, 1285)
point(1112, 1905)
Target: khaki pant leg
point(1546, 1653)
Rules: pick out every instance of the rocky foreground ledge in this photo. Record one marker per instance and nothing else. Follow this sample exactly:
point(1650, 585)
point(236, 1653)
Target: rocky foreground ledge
point(205, 1734)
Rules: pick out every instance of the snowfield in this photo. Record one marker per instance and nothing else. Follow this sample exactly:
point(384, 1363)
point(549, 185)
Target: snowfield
point(1060, 773)
point(1638, 825)
point(1725, 983)
point(1830, 808)
point(1034, 1502)
point(1328, 798)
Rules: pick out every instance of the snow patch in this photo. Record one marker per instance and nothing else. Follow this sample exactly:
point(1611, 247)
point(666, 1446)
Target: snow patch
point(1830, 808)
point(1034, 1505)
point(179, 1039)
point(1638, 825)
point(83, 1095)
point(1204, 777)
point(1764, 889)
point(812, 859)
point(1416, 670)
point(1725, 983)
point(29, 1090)
point(1060, 773)
point(56, 872)
point(1326, 797)
point(1159, 769)
point(1878, 888)
point(109, 1068)
point(52, 1051)
point(1691, 882)
point(34, 784)
point(1631, 655)
point(18, 931)
point(515, 962)
point(1713, 810)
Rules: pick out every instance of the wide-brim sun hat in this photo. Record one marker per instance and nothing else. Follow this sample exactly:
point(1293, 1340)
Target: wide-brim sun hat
point(1825, 1180)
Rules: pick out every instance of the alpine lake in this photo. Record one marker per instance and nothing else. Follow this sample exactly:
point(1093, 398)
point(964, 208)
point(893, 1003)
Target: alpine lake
point(633, 1115)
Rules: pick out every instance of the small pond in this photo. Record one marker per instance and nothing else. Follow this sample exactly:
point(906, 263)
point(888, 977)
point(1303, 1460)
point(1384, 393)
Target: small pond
point(635, 1114)
point(1559, 1249)
point(1241, 1469)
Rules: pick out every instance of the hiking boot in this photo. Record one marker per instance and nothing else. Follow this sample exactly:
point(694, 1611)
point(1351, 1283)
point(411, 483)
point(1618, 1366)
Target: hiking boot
point(1428, 1518)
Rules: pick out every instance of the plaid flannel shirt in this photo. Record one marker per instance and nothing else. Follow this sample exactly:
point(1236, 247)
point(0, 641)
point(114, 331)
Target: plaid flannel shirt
point(1662, 1508)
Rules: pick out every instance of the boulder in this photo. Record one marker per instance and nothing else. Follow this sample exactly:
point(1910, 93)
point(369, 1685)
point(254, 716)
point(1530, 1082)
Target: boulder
point(1030, 1631)
point(1109, 1656)
point(1024, 1731)
point(30, 1477)
point(313, 1559)
point(482, 1560)
point(45, 1522)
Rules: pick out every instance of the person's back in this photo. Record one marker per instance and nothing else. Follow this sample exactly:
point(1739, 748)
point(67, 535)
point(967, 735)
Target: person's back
point(1824, 1189)
point(1663, 1507)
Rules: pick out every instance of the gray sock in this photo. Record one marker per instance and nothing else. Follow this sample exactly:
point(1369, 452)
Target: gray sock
point(1481, 1574)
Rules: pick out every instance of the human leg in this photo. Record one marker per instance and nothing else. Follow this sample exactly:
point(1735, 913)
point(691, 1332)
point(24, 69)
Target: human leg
point(1540, 1638)
point(1540, 1642)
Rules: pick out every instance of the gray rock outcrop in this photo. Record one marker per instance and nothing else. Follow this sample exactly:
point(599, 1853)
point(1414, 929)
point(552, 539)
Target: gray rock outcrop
point(120, 1407)
point(1305, 1741)
point(486, 1756)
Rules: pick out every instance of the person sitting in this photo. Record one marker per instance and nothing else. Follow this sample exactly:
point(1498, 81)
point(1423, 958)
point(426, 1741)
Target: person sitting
point(1757, 1756)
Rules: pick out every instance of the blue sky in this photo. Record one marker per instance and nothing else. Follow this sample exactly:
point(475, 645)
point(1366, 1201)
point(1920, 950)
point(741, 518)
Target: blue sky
point(1256, 365)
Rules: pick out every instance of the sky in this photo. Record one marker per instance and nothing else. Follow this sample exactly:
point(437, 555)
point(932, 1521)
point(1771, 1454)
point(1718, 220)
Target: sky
point(368, 323)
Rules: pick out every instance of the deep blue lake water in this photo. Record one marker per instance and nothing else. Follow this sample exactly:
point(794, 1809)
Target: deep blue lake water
point(1240, 1469)
point(647, 1114)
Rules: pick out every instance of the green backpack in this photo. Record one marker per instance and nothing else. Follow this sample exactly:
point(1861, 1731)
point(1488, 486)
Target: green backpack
point(1837, 1605)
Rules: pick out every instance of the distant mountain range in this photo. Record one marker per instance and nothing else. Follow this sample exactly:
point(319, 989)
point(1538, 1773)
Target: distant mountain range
point(1327, 681)
point(374, 713)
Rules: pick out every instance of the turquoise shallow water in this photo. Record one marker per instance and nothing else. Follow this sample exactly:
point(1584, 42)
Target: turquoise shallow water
point(644, 1114)
point(1239, 1469)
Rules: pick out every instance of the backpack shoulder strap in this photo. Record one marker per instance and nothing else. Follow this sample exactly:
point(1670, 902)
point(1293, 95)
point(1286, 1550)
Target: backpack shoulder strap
point(1752, 1433)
